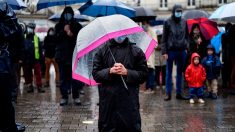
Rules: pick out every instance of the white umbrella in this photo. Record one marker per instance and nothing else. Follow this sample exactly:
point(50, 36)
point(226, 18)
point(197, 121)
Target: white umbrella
point(224, 13)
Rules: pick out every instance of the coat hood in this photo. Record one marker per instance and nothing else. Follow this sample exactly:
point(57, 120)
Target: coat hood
point(175, 7)
point(193, 56)
point(67, 9)
point(6, 11)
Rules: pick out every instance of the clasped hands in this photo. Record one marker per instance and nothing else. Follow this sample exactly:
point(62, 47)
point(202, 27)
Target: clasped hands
point(119, 69)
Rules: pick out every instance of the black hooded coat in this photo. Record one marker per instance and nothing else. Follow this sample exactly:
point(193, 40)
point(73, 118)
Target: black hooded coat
point(175, 34)
point(119, 108)
point(65, 44)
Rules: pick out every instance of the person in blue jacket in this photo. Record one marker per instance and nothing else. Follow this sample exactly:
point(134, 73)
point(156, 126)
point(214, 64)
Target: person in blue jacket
point(212, 65)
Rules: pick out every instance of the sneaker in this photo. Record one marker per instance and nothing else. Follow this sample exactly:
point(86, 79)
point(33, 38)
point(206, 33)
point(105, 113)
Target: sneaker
point(30, 89)
point(20, 127)
point(213, 96)
point(57, 84)
point(201, 101)
point(41, 90)
point(180, 97)
point(47, 84)
point(77, 101)
point(82, 92)
point(63, 102)
point(191, 101)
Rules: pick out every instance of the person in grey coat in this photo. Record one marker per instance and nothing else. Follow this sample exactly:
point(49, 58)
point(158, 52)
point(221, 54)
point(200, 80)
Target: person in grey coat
point(174, 46)
point(119, 107)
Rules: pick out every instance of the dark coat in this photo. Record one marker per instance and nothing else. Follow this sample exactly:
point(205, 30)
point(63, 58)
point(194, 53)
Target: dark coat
point(119, 108)
point(175, 34)
point(29, 51)
point(49, 46)
point(65, 44)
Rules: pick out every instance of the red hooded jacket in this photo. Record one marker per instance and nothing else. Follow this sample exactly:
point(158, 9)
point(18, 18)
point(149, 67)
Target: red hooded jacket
point(195, 75)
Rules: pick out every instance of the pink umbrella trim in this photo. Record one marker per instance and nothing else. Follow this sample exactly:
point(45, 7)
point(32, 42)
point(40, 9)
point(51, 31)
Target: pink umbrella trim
point(90, 82)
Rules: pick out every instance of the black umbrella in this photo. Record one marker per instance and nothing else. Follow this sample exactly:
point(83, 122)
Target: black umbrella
point(192, 14)
point(143, 14)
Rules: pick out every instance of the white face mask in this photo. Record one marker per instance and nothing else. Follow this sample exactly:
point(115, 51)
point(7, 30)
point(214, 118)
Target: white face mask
point(29, 30)
point(51, 33)
point(120, 39)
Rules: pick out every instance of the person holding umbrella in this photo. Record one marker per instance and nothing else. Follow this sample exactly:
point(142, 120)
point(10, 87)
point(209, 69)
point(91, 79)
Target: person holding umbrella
point(174, 46)
point(66, 34)
point(119, 100)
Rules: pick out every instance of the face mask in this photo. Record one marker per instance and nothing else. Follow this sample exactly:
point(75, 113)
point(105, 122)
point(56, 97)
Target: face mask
point(120, 39)
point(68, 16)
point(29, 30)
point(178, 14)
point(51, 33)
point(145, 27)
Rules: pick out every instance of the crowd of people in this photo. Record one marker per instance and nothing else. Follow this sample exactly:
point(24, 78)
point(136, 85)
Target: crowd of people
point(193, 55)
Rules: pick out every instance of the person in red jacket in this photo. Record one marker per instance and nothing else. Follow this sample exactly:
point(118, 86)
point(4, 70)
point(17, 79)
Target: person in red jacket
point(195, 75)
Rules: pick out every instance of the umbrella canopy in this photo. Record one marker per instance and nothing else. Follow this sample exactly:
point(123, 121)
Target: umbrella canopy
point(77, 16)
point(224, 13)
point(49, 3)
point(96, 34)
point(191, 14)
point(216, 42)
point(97, 8)
point(207, 27)
point(143, 14)
point(16, 4)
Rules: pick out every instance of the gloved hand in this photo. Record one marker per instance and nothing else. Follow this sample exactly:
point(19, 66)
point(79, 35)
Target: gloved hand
point(208, 63)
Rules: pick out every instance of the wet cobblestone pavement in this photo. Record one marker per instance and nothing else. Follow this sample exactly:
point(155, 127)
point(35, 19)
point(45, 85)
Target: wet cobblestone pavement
point(41, 112)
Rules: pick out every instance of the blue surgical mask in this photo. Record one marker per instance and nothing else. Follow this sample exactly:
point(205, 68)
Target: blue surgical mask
point(120, 39)
point(68, 16)
point(178, 14)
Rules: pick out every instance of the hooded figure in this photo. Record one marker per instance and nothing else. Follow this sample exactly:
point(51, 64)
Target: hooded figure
point(195, 75)
point(66, 32)
point(174, 46)
point(119, 107)
point(11, 40)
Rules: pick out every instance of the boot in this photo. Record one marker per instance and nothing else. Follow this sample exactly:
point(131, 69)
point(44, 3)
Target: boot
point(179, 96)
point(41, 90)
point(167, 98)
point(30, 89)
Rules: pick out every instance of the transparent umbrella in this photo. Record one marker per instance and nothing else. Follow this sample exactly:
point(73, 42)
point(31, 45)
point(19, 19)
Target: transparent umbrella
point(96, 34)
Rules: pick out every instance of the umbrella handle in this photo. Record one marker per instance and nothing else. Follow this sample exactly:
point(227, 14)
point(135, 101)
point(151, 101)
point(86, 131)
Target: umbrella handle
point(124, 83)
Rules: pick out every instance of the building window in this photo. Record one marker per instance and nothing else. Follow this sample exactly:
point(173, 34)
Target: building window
point(163, 3)
point(222, 1)
point(191, 2)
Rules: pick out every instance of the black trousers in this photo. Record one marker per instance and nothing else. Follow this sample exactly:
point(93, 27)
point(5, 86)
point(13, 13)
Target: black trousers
point(7, 111)
point(158, 70)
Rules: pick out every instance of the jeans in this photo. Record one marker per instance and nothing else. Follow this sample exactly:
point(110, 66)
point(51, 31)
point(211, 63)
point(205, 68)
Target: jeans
point(150, 83)
point(66, 82)
point(196, 92)
point(179, 58)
